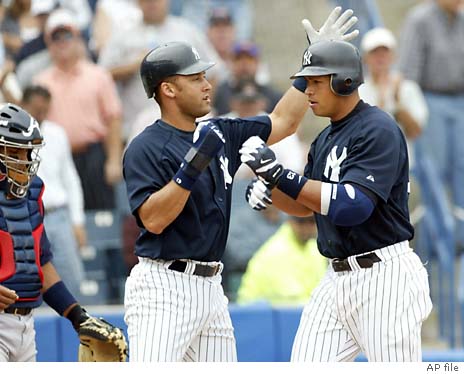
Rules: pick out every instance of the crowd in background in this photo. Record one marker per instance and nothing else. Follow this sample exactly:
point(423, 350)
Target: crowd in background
point(74, 65)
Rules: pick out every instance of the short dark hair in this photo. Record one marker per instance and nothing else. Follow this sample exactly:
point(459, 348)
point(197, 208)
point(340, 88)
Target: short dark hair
point(35, 90)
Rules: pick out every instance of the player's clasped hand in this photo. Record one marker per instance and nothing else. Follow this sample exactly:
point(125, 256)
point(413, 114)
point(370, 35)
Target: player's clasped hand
point(258, 195)
point(334, 28)
point(262, 160)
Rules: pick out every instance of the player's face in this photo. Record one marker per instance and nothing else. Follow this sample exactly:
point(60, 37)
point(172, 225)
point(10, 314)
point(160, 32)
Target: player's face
point(322, 99)
point(193, 93)
point(19, 175)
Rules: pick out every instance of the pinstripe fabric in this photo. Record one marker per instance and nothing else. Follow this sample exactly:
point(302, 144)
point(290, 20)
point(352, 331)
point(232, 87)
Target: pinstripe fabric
point(379, 311)
point(173, 316)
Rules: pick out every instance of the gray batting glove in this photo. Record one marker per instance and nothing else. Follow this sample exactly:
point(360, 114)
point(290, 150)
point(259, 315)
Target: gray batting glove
point(334, 28)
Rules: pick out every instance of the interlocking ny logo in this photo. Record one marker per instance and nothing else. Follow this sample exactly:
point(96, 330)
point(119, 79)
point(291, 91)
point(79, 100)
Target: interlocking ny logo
point(333, 162)
point(307, 58)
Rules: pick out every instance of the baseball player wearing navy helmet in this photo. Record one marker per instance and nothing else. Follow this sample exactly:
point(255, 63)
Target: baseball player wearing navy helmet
point(27, 275)
point(375, 295)
point(179, 176)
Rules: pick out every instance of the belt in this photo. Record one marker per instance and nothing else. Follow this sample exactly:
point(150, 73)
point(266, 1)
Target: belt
point(200, 269)
point(18, 311)
point(364, 261)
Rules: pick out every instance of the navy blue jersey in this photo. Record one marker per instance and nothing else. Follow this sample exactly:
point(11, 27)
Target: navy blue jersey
point(368, 149)
point(23, 244)
point(151, 160)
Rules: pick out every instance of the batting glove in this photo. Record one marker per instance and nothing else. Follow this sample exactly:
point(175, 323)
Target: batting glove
point(334, 28)
point(208, 140)
point(258, 195)
point(262, 160)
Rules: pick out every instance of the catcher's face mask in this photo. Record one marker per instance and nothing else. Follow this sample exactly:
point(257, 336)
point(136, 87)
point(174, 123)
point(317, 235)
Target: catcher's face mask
point(21, 162)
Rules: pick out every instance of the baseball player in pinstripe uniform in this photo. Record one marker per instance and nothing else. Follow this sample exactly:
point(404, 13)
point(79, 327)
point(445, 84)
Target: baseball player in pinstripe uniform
point(375, 295)
point(179, 181)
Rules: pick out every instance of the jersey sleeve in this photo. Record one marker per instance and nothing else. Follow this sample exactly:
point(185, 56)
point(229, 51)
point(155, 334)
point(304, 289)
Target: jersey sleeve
point(237, 130)
point(144, 174)
point(374, 160)
point(243, 128)
point(309, 164)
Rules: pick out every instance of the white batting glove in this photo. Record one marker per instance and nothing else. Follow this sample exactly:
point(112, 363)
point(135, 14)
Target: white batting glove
point(334, 28)
point(258, 195)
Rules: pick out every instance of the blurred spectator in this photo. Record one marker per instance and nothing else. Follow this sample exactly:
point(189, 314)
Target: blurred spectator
point(124, 52)
point(198, 11)
point(33, 57)
point(385, 88)
point(432, 54)
point(86, 104)
point(10, 26)
point(247, 100)
point(222, 35)
point(245, 64)
point(10, 91)
point(63, 200)
point(112, 16)
point(287, 267)
point(81, 12)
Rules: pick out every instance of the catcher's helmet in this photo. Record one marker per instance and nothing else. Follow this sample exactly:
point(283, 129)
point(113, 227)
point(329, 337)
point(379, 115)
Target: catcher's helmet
point(341, 60)
point(168, 59)
point(19, 131)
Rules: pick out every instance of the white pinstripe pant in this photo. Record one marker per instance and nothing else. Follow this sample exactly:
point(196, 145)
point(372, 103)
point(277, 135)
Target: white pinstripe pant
point(173, 316)
point(379, 311)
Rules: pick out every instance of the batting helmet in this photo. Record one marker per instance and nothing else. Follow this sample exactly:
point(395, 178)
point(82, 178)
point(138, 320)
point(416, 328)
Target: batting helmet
point(19, 131)
point(174, 58)
point(341, 60)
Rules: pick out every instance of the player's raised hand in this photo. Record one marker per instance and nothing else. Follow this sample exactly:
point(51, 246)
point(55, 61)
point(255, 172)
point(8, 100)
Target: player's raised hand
point(334, 28)
point(258, 195)
point(262, 160)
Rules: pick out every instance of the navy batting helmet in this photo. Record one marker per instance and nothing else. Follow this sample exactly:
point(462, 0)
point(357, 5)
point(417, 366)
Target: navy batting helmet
point(19, 131)
point(341, 60)
point(173, 58)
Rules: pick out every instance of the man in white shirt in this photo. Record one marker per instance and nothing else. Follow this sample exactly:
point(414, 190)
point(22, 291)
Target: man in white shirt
point(63, 199)
point(385, 88)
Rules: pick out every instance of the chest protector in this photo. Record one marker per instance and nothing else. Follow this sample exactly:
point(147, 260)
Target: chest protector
point(21, 227)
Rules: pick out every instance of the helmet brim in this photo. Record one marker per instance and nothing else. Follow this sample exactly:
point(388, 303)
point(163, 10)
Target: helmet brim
point(196, 68)
point(309, 71)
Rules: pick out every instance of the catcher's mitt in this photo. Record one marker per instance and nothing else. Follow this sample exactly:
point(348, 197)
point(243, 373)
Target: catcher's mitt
point(101, 341)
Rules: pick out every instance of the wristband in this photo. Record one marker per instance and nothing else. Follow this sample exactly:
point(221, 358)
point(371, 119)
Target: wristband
point(300, 84)
point(184, 178)
point(58, 297)
point(291, 183)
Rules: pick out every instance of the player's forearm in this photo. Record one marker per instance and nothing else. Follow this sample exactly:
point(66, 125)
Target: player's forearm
point(287, 114)
point(163, 207)
point(283, 202)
